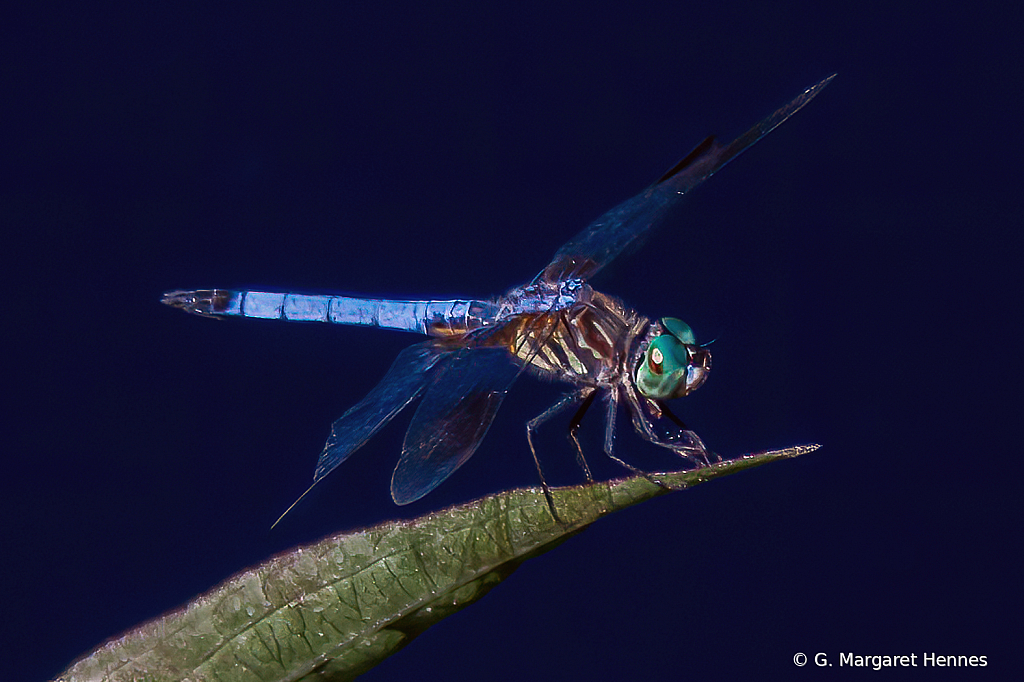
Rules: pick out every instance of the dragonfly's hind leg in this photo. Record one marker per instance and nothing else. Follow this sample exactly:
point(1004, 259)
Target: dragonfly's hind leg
point(586, 396)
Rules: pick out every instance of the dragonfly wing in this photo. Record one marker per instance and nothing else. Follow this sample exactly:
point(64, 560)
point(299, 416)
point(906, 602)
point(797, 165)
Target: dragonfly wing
point(451, 420)
point(625, 225)
point(406, 379)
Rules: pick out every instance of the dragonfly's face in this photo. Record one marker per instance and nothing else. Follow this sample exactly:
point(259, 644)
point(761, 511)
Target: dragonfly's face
point(673, 365)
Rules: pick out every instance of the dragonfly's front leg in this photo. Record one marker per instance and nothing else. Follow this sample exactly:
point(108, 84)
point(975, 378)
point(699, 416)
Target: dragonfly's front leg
point(684, 442)
point(609, 434)
point(696, 446)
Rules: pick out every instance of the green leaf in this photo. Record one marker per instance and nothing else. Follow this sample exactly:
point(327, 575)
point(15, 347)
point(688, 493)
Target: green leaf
point(334, 609)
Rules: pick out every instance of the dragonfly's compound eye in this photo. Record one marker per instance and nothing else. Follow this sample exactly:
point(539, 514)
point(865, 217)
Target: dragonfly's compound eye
point(673, 365)
point(664, 374)
point(679, 329)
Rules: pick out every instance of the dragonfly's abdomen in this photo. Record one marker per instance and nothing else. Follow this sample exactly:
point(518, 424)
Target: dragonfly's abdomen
point(436, 318)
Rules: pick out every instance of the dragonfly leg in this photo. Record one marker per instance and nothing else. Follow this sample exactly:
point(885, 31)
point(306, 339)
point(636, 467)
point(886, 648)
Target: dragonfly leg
point(565, 402)
point(642, 425)
point(574, 426)
point(609, 434)
point(684, 442)
point(701, 451)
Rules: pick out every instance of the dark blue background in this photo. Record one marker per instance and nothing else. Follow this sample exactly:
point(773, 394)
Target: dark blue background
point(860, 268)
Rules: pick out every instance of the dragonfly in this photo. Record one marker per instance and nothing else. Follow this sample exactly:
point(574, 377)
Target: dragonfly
point(556, 327)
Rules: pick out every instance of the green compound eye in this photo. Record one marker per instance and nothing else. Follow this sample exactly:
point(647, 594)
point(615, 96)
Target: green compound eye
point(673, 364)
point(679, 329)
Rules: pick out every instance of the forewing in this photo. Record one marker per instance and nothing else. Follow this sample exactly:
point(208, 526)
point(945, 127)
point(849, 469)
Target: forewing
point(627, 224)
point(405, 380)
point(451, 420)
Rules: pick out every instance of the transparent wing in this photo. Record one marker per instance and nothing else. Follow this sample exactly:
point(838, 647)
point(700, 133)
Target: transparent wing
point(451, 420)
point(409, 373)
point(625, 225)
point(459, 404)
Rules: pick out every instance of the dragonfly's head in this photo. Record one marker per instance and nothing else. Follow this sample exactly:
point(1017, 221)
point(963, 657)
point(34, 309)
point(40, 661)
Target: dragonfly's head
point(673, 364)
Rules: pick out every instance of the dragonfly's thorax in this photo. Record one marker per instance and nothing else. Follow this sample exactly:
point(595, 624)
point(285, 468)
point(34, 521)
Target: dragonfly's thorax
point(544, 297)
point(582, 341)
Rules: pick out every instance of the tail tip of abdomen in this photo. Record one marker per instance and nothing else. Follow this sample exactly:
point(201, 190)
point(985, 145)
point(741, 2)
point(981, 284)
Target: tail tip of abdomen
point(200, 302)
